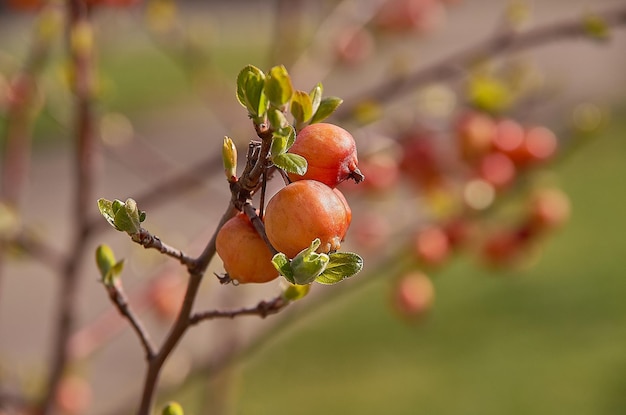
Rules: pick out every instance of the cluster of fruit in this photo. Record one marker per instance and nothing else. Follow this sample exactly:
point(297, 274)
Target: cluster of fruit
point(461, 177)
point(309, 208)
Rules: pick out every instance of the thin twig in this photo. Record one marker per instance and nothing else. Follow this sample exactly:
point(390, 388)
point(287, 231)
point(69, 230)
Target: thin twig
point(250, 211)
point(455, 65)
point(262, 309)
point(149, 241)
point(117, 296)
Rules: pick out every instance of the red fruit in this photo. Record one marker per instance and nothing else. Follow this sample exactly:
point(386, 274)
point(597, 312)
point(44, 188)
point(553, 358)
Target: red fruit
point(413, 295)
point(330, 152)
point(303, 211)
point(245, 255)
point(345, 204)
point(475, 132)
point(540, 143)
point(402, 16)
point(504, 248)
point(497, 169)
point(432, 246)
point(421, 161)
point(550, 209)
point(509, 139)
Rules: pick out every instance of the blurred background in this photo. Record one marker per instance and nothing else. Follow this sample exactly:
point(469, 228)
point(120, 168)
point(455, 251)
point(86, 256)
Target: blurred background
point(537, 331)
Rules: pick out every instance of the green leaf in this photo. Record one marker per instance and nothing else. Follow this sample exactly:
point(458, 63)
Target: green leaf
point(277, 119)
point(128, 218)
point(278, 88)
point(316, 97)
point(342, 265)
point(281, 263)
point(301, 107)
point(295, 292)
point(282, 140)
point(308, 264)
point(106, 209)
point(291, 163)
point(105, 259)
point(327, 106)
point(250, 84)
point(108, 267)
point(172, 408)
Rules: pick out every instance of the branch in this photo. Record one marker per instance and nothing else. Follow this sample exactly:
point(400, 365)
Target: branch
point(262, 309)
point(455, 65)
point(147, 240)
point(117, 296)
point(79, 44)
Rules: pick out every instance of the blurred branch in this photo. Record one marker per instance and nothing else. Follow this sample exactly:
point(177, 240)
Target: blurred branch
point(80, 45)
point(149, 241)
point(501, 43)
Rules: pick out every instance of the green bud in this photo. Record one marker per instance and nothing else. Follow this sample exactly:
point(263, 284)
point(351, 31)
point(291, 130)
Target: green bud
point(229, 158)
point(172, 408)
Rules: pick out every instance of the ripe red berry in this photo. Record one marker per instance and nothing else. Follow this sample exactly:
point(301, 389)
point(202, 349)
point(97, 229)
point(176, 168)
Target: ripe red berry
point(413, 295)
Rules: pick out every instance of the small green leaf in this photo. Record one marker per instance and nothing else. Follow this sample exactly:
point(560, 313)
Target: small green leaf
point(301, 107)
point(142, 215)
point(229, 159)
point(291, 163)
point(342, 265)
point(295, 292)
point(105, 259)
point(308, 264)
point(172, 408)
point(316, 97)
point(281, 263)
point(277, 119)
point(250, 84)
point(127, 219)
point(108, 267)
point(278, 88)
point(282, 139)
point(489, 93)
point(106, 209)
point(327, 106)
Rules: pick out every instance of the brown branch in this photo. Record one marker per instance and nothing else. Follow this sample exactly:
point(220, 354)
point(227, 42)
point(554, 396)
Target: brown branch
point(262, 309)
point(78, 26)
point(117, 296)
point(250, 211)
point(149, 241)
point(455, 65)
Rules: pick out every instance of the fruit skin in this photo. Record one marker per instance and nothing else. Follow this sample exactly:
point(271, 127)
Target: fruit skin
point(245, 255)
point(330, 152)
point(302, 211)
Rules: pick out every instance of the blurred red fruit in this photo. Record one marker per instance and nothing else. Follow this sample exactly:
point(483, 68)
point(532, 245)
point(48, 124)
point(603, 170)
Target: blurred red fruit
point(413, 295)
point(382, 172)
point(432, 246)
point(550, 209)
point(497, 169)
point(401, 16)
point(509, 138)
point(421, 162)
point(503, 249)
point(475, 133)
point(541, 144)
